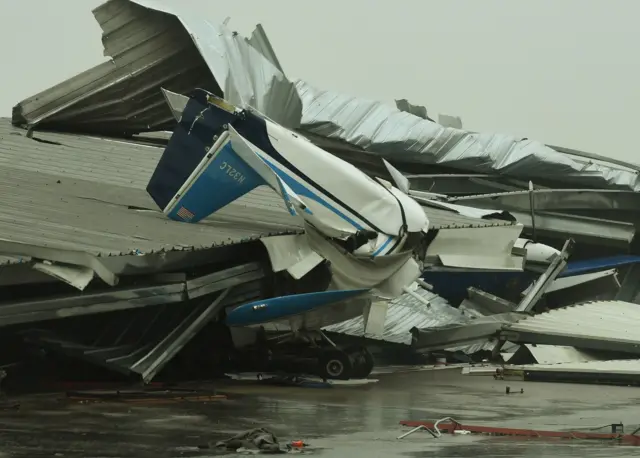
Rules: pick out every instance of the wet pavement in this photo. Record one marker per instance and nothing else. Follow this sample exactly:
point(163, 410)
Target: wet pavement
point(338, 422)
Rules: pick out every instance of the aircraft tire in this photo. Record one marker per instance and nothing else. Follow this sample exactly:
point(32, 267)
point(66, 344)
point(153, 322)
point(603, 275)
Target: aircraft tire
point(335, 364)
point(362, 361)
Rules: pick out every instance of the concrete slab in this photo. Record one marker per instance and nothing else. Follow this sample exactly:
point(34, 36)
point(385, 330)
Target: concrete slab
point(359, 421)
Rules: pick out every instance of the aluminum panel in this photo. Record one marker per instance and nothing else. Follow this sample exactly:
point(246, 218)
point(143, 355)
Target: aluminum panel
point(401, 137)
point(602, 320)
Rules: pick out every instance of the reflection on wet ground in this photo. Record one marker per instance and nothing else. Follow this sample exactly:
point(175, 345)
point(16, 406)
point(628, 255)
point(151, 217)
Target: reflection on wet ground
point(340, 422)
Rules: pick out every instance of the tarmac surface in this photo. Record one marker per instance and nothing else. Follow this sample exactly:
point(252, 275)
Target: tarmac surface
point(337, 422)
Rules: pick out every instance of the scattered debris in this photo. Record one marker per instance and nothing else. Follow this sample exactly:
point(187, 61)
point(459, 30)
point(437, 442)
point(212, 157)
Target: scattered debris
point(508, 390)
point(255, 439)
point(130, 323)
point(454, 427)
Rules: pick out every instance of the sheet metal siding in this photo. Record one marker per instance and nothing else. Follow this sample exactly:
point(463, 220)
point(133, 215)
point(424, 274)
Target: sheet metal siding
point(150, 50)
point(130, 165)
point(404, 313)
point(154, 45)
point(90, 217)
point(89, 193)
point(580, 227)
point(614, 320)
point(555, 200)
point(400, 136)
point(97, 178)
point(100, 160)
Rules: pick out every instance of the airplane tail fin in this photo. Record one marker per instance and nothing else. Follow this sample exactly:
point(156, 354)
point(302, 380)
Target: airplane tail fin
point(199, 172)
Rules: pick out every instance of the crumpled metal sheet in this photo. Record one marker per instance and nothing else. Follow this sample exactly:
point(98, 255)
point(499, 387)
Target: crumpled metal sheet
point(405, 313)
point(247, 77)
point(416, 110)
point(402, 137)
point(154, 45)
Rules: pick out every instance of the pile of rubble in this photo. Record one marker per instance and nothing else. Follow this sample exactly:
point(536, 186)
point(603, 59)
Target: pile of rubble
point(91, 270)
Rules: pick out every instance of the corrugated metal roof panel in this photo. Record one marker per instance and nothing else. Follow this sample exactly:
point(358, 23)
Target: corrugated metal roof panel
point(404, 313)
point(105, 220)
point(555, 200)
point(101, 160)
point(150, 50)
point(130, 164)
point(72, 156)
point(68, 191)
point(155, 45)
point(603, 320)
point(403, 138)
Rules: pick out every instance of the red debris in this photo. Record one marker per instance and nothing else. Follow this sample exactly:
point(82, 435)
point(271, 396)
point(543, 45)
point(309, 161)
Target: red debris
point(629, 439)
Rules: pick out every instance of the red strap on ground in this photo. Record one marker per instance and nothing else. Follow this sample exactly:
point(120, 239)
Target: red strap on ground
point(495, 431)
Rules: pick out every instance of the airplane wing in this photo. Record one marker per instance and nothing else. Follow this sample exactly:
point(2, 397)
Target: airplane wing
point(287, 307)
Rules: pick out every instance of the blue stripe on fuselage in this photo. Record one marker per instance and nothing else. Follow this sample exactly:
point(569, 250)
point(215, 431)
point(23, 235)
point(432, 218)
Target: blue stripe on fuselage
point(302, 190)
point(384, 245)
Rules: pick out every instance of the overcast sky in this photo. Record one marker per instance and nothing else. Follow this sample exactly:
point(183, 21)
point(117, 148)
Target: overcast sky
point(564, 72)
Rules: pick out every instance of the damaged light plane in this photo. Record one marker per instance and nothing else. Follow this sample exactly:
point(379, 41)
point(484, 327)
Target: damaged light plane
point(371, 236)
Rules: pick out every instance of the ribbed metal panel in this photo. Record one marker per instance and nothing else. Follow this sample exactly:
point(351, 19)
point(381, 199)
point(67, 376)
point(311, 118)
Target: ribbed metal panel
point(405, 139)
point(86, 193)
point(156, 45)
point(150, 50)
point(404, 313)
point(602, 320)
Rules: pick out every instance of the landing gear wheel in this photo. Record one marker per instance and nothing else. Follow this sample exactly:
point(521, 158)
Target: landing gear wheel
point(362, 361)
point(335, 364)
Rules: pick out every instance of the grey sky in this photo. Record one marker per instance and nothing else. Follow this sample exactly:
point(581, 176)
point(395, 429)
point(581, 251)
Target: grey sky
point(561, 71)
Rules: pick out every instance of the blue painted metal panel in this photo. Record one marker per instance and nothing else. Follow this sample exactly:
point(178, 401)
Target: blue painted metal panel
point(282, 307)
point(226, 178)
point(594, 265)
point(453, 285)
point(187, 147)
